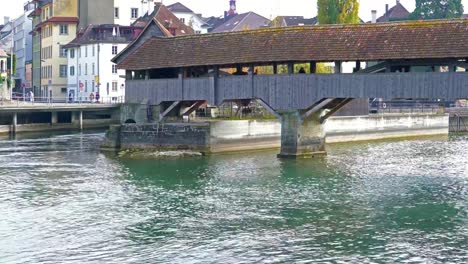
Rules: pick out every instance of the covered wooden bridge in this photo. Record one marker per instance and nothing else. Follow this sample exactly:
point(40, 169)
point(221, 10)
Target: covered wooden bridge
point(413, 60)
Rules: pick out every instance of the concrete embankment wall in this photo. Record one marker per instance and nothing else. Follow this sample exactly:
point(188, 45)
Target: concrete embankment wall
point(239, 135)
point(87, 124)
point(458, 123)
point(375, 127)
point(244, 135)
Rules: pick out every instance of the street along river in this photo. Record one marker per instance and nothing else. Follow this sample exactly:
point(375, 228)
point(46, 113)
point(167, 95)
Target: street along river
point(64, 201)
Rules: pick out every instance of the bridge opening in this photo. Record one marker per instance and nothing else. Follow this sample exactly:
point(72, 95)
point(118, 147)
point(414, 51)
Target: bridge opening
point(64, 117)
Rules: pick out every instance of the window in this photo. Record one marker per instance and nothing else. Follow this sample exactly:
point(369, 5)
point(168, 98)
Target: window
point(79, 70)
point(63, 90)
point(63, 71)
point(63, 52)
point(92, 69)
point(92, 86)
point(63, 29)
point(86, 69)
point(94, 51)
point(116, 12)
point(114, 50)
point(86, 52)
point(182, 20)
point(72, 71)
point(86, 85)
point(197, 32)
point(114, 86)
point(134, 13)
point(72, 53)
point(114, 69)
point(79, 52)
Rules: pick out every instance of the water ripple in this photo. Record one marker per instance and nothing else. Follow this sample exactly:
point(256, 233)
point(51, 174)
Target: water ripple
point(62, 201)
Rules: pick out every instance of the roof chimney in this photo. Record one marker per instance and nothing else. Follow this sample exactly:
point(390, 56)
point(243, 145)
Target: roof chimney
point(374, 16)
point(386, 12)
point(232, 8)
point(6, 20)
point(397, 2)
point(157, 4)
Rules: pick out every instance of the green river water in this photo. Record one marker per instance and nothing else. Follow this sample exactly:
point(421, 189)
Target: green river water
point(64, 201)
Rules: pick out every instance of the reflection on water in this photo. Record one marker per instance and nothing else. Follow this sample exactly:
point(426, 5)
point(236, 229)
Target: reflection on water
point(62, 201)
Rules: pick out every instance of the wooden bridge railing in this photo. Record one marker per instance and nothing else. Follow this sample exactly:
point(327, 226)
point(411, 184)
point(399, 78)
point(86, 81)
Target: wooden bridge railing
point(300, 91)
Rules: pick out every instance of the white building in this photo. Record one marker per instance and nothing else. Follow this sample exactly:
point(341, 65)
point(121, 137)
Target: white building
point(189, 18)
point(128, 11)
point(90, 70)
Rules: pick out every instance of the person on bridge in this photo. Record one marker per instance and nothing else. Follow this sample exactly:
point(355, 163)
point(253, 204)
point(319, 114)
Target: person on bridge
point(70, 97)
point(91, 97)
point(98, 96)
point(31, 96)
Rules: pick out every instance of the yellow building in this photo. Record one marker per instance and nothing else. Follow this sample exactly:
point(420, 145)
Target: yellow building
point(57, 27)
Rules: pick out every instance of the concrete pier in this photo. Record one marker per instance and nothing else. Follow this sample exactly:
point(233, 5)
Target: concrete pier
point(301, 136)
point(245, 135)
point(53, 118)
point(14, 123)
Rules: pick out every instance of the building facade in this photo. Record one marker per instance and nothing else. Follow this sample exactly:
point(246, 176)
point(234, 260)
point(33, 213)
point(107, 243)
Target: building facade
point(22, 26)
point(6, 35)
point(89, 63)
point(120, 12)
point(125, 12)
point(57, 27)
point(189, 18)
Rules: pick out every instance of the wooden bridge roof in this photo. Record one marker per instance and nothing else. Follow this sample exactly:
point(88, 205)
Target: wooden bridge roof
point(436, 39)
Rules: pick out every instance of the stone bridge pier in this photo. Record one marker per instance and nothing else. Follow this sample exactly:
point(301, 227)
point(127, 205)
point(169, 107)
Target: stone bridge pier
point(301, 136)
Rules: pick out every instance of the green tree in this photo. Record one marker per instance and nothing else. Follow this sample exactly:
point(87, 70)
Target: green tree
point(338, 11)
point(437, 9)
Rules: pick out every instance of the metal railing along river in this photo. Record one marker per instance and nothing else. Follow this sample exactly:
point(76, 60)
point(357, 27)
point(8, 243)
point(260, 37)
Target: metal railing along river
point(26, 101)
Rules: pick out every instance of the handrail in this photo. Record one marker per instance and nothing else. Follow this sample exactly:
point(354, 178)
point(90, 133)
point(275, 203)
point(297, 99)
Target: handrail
point(27, 101)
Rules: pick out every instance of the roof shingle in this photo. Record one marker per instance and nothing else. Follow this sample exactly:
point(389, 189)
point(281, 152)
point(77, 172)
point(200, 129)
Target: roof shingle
point(435, 39)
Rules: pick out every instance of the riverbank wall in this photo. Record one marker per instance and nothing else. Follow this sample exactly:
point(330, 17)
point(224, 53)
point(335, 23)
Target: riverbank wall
point(44, 127)
point(242, 135)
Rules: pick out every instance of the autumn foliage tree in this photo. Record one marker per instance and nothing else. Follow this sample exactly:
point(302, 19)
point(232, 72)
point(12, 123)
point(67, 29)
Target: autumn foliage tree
point(338, 11)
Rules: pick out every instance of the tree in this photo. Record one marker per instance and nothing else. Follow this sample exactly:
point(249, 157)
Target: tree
point(437, 9)
point(338, 11)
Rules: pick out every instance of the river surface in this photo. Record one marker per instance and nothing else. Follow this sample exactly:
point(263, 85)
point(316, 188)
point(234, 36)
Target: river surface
point(63, 201)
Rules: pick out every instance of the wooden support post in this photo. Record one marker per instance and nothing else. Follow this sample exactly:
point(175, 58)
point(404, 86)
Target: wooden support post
point(338, 68)
point(168, 110)
point(275, 68)
point(268, 108)
point(251, 69)
point(358, 66)
point(317, 107)
point(192, 108)
point(335, 109)
point(290, 68)
point(147, 75)
point(452, 68)
point(313, 67)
